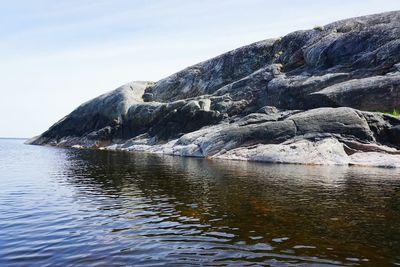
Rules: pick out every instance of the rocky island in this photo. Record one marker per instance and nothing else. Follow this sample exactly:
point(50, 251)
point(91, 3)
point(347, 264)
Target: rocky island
point(314, 96)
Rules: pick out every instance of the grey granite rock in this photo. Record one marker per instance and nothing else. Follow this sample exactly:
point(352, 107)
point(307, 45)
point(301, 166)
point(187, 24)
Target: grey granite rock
point(373, 93)
point(309, 97)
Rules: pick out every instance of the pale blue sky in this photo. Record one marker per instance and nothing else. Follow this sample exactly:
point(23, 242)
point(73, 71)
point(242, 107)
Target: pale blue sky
point(57, 54)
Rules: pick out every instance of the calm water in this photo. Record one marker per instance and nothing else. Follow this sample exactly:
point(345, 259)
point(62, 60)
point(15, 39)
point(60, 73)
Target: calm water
point(77, 207)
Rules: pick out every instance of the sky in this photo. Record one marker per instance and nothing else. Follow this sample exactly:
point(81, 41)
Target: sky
point(55, 55)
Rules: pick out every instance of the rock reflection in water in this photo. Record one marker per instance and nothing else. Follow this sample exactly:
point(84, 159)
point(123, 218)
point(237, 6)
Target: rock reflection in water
point(250, 211)
point(83, 207)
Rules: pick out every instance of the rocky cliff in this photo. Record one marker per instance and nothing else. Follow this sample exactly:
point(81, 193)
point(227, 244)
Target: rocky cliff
point(309, 97)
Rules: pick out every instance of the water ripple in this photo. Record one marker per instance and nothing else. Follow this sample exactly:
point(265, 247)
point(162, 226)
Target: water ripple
point(98, 208)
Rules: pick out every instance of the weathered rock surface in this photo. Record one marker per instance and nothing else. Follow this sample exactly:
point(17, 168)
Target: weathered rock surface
point(309, 97)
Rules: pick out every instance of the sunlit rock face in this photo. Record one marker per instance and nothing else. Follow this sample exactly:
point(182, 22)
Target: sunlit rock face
point(310, 97)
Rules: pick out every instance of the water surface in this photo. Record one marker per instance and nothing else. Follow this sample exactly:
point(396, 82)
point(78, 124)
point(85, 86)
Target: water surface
point(99, 208)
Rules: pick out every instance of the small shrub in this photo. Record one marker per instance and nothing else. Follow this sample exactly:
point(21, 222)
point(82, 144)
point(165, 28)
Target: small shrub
point(319, 28)
point(278, 54)
point(395, 112)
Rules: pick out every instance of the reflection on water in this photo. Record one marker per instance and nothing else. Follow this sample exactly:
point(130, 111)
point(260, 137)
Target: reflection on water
point(85, 207)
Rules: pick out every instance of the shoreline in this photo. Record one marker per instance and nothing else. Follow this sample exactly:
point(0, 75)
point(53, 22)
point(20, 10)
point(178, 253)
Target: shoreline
point(361, 159)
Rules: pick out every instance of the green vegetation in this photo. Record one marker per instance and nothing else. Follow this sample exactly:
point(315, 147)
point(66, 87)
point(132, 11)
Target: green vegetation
point(278, 54)
point(395, 112)
point(319, 28)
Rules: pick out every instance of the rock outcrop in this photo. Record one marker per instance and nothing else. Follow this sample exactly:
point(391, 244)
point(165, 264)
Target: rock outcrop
point(310, 97)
